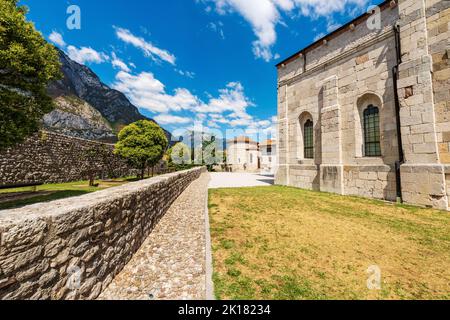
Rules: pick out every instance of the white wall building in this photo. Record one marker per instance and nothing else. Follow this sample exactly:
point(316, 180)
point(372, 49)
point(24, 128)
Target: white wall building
point(243, 155)
point(268, 156)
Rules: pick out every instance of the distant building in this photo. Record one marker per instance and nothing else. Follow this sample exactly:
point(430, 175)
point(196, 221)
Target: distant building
point(243, 155)
point(268, 156)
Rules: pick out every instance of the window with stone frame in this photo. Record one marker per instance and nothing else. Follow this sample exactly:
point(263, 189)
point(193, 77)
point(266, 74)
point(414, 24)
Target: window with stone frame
point(308, 139)
point(372, 144)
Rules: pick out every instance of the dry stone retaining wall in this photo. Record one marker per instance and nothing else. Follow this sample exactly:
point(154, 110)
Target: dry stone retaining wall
point(54, 158)
point(73, 248)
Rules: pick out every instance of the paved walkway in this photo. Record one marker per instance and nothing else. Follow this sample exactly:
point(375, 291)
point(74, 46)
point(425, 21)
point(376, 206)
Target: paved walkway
point(237, 180)
point(174, 262)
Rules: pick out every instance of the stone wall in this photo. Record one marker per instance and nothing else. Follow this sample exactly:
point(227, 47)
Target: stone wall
point(376, 182)
point(423, 90)
point(340, 78)
point(438, 25)
point(70, 249)
point(54, 158)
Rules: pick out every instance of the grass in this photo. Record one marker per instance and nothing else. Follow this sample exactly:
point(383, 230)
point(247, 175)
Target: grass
point(287, 243)
point(50, 192)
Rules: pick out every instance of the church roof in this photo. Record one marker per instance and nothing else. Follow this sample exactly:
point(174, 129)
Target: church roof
point(337, 32)
point(268, 143)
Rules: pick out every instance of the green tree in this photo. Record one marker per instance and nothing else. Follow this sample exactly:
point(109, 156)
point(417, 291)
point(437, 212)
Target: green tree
point(27, 64)
point(211, 154)
point(142, 144)
point(179, 157)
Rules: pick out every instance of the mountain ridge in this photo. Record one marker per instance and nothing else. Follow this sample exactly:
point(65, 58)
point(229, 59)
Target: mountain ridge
point(81, 83)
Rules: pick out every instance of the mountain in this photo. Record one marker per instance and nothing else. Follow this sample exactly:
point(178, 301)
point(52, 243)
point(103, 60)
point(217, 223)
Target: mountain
point(86, 107)
point(77, 118)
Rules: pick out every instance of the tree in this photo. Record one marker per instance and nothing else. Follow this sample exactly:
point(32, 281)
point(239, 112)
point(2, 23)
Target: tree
point(142, 144)
point(179, 157)
point(211, 154)
point(27, 64)
point(96, 160)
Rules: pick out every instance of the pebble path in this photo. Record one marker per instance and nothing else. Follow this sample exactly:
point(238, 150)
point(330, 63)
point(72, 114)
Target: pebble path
point(171, 264)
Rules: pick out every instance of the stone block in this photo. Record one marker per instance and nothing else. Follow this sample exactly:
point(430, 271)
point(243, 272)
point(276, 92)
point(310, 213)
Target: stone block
point(19, 260)
point(27, 233)
point(362, 59)
point(73, 221)
point(53, 248)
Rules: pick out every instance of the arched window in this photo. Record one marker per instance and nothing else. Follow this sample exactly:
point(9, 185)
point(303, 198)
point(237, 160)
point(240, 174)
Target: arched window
point(372, 145)
point(308, 139)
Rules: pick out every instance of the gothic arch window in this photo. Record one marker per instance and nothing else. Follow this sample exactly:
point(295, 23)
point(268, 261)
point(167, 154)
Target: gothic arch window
point(372, 144)
point(308, 139)
point(305, 137)
point(368, 126)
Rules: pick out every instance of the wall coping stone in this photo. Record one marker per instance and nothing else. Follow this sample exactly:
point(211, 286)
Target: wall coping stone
point(68, 205)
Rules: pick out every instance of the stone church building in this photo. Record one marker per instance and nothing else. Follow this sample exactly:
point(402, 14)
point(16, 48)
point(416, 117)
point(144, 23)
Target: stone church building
point(366, 111)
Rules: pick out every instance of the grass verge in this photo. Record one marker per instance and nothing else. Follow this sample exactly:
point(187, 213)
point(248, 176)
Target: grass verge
point(286, 243)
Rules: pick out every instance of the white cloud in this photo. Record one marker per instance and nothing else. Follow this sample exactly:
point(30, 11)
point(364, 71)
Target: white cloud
point(265, 15)
point(148, 48)
point(145, 91)
point(230, 99)
point(319, 36)
point(81, 55)
point(85, 55)
point(188, 74)
point(171, 119)
point(57, 39)
point(218, 28)
point(119, 64)
point(332, 26)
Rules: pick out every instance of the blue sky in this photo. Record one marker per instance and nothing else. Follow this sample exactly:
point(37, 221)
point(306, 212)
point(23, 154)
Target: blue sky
point(180, 61)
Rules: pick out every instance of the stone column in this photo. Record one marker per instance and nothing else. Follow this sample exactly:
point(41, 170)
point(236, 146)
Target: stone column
point(331, 169)
point(282, 175)
point(423, 177)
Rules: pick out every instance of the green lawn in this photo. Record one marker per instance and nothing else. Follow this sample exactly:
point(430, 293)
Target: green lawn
point(287, 243)
point(49, 192)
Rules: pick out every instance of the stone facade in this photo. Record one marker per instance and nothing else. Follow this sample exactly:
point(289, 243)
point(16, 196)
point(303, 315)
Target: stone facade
point(48, 157)
point(243, 155)
point(333, 82)
point(73, 249)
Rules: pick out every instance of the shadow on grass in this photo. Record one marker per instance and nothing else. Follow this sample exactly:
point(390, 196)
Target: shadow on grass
point(57, 195)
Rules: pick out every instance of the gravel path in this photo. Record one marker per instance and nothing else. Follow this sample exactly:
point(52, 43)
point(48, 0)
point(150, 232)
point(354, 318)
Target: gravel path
point(238, 180)
point(171, 264)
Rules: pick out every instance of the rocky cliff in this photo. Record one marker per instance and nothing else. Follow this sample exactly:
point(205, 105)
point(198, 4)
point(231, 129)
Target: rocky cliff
point(77, 118)
point(86, 107)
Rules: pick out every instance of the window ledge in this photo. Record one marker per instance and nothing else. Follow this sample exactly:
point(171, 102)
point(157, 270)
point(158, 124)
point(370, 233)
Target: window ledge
point(369, 160)
point(306, 161)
